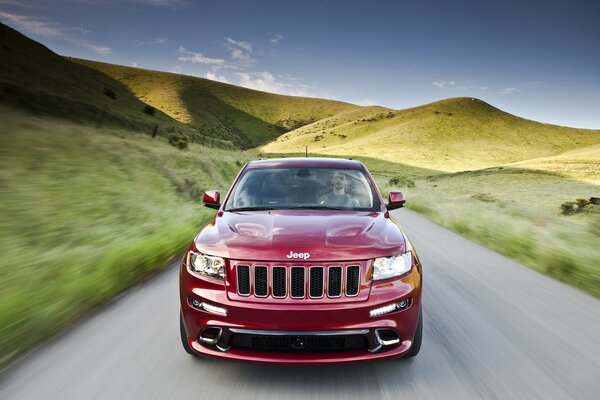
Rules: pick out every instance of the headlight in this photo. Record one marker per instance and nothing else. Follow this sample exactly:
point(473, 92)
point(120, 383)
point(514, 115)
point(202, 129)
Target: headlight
point(213, 267)
point(388, 267)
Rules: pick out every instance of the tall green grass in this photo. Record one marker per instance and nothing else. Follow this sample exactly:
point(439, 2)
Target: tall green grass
point(86, 213)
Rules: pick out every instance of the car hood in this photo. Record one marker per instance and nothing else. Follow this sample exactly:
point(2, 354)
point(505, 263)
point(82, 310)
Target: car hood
point(325, 235)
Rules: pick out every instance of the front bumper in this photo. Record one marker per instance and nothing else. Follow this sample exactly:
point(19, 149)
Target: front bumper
point(386, 336)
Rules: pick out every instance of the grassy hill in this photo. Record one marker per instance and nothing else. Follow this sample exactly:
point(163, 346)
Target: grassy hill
point(246, 117)
point(35, 79)
point(449, 135)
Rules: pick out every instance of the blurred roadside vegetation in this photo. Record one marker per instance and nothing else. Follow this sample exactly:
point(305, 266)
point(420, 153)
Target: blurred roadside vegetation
point(86, 213)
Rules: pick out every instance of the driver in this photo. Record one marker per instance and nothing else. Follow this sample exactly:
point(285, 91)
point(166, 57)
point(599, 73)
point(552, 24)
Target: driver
point(338, 196)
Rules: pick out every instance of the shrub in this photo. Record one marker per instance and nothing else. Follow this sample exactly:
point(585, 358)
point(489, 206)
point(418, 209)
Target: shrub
point(396, 181)
point(581, 203)
point(179, 140)
point(239, 163)
point(578, 206)
point(110, 93)
point(488, 198)
point(568, 208)
point(149, 110)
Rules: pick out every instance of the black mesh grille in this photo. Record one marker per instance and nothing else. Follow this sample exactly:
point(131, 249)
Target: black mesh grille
point(243, 279)
point(278, 281)
point(334, 282)
point(316, 281)
point(298, 344)
point(352, 280)
point(298, 284)
point(261, 288)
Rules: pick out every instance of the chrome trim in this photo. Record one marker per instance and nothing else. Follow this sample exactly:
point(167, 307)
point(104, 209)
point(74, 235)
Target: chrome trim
point(237, 280)
point(300, 333)
point(273, 280)
point(341, 280)
point(254, 286)
point(386, 342)
point(346, 286)
point(322, 281)
point(211, 341)
point(375, 349)
point(303, 281)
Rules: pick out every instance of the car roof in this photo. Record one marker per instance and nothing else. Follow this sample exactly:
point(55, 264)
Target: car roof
point(306, 162)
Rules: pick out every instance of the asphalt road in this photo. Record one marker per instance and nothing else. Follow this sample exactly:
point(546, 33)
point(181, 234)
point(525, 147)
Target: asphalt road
point(493, 329)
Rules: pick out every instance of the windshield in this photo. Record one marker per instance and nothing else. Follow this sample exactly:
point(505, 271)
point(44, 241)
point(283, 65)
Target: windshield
point(309, 188)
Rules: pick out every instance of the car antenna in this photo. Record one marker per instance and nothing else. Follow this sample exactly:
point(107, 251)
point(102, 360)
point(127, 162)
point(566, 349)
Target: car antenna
point(306, 154)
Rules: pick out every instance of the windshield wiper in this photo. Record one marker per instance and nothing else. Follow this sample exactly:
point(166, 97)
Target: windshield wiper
point(255, 208)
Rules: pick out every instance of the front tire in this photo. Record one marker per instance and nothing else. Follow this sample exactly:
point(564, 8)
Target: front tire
point(183, 334)
point(416, 346)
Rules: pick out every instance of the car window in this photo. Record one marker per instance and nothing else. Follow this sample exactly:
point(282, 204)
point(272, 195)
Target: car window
point(284, 188)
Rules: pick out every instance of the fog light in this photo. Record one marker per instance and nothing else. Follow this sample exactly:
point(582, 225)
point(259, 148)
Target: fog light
point(207, 307)
point(400, 306)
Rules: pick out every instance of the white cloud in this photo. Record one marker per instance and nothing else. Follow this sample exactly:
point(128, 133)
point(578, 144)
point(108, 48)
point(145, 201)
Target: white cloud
point(508, 90)
point(199, 58)
point(276, 38)
point(53, 30)
point(240, 52)
point(243, 45)
point(160, 40)
point(176, 69)
point(33, 26)
point(367, 102)
point(445, 84)
point(267, 82)
point(214, 77)
point(101, 50)
point(134, 64)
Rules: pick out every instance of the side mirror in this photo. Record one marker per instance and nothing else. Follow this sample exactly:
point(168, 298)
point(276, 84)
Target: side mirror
point(212, 199)
point(396, 200)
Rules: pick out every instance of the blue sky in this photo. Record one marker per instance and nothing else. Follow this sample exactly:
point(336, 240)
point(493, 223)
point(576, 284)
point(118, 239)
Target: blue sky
point(536, 59)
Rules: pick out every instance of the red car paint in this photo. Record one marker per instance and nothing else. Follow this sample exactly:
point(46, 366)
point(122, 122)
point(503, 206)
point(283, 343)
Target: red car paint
point(324, 328)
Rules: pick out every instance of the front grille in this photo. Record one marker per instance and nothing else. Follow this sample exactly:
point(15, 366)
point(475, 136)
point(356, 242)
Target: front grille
point(298, 282)
point(298, 344)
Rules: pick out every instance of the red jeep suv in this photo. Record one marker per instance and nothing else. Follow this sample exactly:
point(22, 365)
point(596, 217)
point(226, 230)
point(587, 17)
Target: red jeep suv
point(301, 264)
